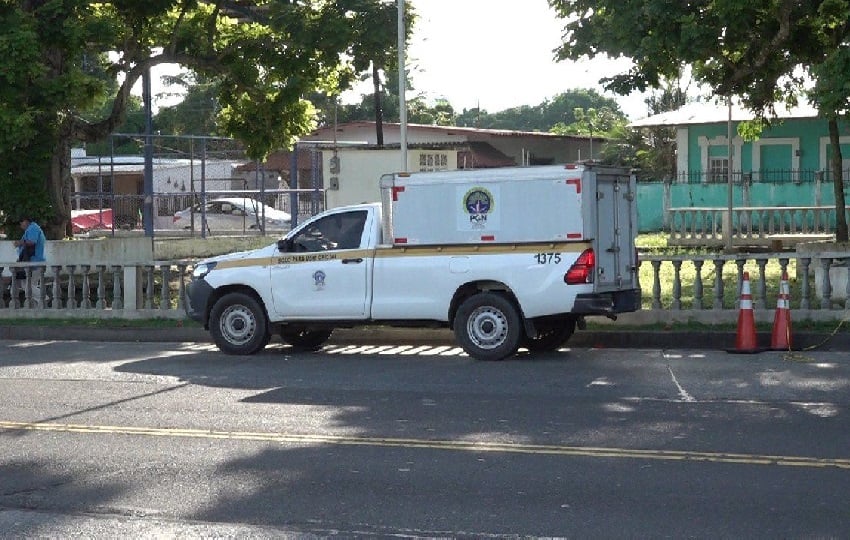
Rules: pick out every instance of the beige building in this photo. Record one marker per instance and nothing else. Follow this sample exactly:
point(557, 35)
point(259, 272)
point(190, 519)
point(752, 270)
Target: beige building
point(347, 163)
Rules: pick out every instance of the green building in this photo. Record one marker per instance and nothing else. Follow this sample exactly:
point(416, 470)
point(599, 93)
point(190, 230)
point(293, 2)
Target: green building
point(795, 148)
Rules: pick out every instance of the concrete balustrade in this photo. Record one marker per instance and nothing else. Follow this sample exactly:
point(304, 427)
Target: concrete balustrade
point(818, 284)
point(676, 288)
point(154, 290)
point(769, 226)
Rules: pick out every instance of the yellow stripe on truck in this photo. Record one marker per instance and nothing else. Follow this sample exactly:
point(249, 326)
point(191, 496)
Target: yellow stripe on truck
point(407, 251)
point(488, 249)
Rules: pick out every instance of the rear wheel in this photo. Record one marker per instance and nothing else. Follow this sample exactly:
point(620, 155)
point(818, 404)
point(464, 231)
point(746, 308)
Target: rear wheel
point(551, 334)
point(488, 326)
point(305, 338)
point(238, 324)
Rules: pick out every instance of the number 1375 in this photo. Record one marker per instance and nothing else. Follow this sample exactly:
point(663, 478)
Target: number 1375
point(548, 258)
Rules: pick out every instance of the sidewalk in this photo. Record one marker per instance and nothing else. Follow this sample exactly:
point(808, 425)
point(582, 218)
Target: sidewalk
point(381, 335)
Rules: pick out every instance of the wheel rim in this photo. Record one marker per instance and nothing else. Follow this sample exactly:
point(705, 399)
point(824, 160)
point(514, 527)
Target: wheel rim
point(238, 325)
point(487, 327)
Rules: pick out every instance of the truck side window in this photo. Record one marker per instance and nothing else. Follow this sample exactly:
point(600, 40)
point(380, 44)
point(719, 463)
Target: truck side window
point(352, 230)
point(337, 231)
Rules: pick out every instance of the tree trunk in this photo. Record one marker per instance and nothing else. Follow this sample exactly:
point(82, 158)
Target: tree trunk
point(837, 181)
point(379, 113)
point(58, 188)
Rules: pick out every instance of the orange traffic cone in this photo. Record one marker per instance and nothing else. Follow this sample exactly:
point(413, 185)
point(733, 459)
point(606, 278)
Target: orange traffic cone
point(780, 339)
point(745, 341)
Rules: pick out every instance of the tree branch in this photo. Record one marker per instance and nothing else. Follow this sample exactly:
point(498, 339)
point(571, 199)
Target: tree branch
point(767, 52)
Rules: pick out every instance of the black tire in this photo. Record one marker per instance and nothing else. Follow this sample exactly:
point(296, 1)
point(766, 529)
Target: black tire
point(305, 338)
point(551, 334)
point(238, 324)
point(488, 326)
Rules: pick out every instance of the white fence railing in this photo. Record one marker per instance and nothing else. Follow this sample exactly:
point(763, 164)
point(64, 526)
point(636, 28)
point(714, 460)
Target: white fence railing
point(771, 226)
point(155, 290)
point(700, 288)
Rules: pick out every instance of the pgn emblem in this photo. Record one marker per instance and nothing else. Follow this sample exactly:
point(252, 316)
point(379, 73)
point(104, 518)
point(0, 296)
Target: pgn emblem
point(319, 279)
point(478, 203)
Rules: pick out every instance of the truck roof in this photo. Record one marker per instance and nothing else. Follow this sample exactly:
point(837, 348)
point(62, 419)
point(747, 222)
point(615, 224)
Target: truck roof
point(490, 175)
point(361, 206)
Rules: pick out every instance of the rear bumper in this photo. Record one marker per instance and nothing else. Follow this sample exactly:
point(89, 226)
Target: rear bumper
point(608, 303)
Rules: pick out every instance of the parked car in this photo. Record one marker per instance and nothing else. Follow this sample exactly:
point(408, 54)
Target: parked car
point(233, 214)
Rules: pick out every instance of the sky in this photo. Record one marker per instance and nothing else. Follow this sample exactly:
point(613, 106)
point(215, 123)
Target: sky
point(493, 54)
point(498, 54)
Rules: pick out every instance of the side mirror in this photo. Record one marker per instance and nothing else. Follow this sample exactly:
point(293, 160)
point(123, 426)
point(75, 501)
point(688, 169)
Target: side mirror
point(284, 245)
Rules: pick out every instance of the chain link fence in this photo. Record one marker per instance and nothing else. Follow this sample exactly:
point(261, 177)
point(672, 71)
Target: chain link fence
point(200, 186)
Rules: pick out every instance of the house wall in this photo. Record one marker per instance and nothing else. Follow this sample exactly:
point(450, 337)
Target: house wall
point(794, 144)
point(360, 171)
point(217, 175)
point(653, 199)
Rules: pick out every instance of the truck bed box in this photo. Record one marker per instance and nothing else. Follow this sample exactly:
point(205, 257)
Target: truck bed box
point(489, 206)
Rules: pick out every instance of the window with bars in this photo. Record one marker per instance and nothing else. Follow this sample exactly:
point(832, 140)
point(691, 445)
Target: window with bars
point(433, 161)
point(717, 169)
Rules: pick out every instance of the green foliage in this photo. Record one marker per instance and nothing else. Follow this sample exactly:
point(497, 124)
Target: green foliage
point(652, 151)
point(559, 111)
point(591, 122)
point(22, 184)
point(757, 50)
point(57, 81)
point(196, 113)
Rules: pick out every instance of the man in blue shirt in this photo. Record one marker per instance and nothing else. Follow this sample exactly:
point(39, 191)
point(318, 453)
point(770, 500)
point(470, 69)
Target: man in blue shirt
point(32, 242)
point(33, 237)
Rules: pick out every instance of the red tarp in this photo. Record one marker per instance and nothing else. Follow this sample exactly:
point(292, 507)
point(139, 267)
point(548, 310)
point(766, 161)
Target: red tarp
point(87, 220)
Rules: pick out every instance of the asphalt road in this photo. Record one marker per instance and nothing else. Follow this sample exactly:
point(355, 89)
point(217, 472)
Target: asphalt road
point(170, 439)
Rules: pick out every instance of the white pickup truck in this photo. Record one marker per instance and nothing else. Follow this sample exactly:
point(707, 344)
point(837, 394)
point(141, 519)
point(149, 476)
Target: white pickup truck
point(507, 258)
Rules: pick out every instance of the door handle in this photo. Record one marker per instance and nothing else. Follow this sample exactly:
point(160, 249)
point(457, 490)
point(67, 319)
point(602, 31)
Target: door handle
point(358, 260)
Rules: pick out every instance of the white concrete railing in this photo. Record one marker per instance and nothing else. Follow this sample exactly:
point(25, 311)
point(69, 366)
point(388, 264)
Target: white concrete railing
point(709, 294)
point(818, 282)
point(131, 291)
point(774, 226)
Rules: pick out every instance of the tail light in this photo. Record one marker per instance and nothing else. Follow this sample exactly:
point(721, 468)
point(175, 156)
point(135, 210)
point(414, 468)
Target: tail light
point(582, 270)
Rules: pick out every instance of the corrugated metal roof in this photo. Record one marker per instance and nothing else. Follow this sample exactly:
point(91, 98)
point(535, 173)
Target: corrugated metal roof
point(449, 130)
point(133, 164)
point(711, 113)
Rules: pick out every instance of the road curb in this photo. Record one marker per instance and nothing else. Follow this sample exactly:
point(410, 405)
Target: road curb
point(613, 339)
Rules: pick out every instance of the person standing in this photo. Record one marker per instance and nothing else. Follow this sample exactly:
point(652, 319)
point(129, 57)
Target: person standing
point(31, 249)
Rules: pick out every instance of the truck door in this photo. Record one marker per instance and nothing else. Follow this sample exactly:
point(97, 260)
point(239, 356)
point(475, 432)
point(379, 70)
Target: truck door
point(324, 273)
point(616, 226)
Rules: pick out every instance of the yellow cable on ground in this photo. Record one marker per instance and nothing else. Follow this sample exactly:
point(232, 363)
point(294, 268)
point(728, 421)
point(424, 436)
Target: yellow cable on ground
point(797, 357)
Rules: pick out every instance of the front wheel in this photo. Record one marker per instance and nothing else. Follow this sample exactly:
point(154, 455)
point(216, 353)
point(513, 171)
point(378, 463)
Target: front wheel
point(305, 338)
point(488, 326)
point(238, 324)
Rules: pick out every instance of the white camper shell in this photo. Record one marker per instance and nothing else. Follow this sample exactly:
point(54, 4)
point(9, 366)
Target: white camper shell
point(572, 203)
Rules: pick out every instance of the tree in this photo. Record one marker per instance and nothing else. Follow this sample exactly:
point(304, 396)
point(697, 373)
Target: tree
point(559, 111)
point(590, 122)
point(652, 150)
point(374, 30)
point(195, 114)
point(658, 158)
point(757, 50)
point(418, 110)
point(266, 56)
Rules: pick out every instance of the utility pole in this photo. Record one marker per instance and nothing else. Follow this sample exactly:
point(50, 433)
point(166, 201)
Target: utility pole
point(728, 225)
point(147, 203)
point(402, 83)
